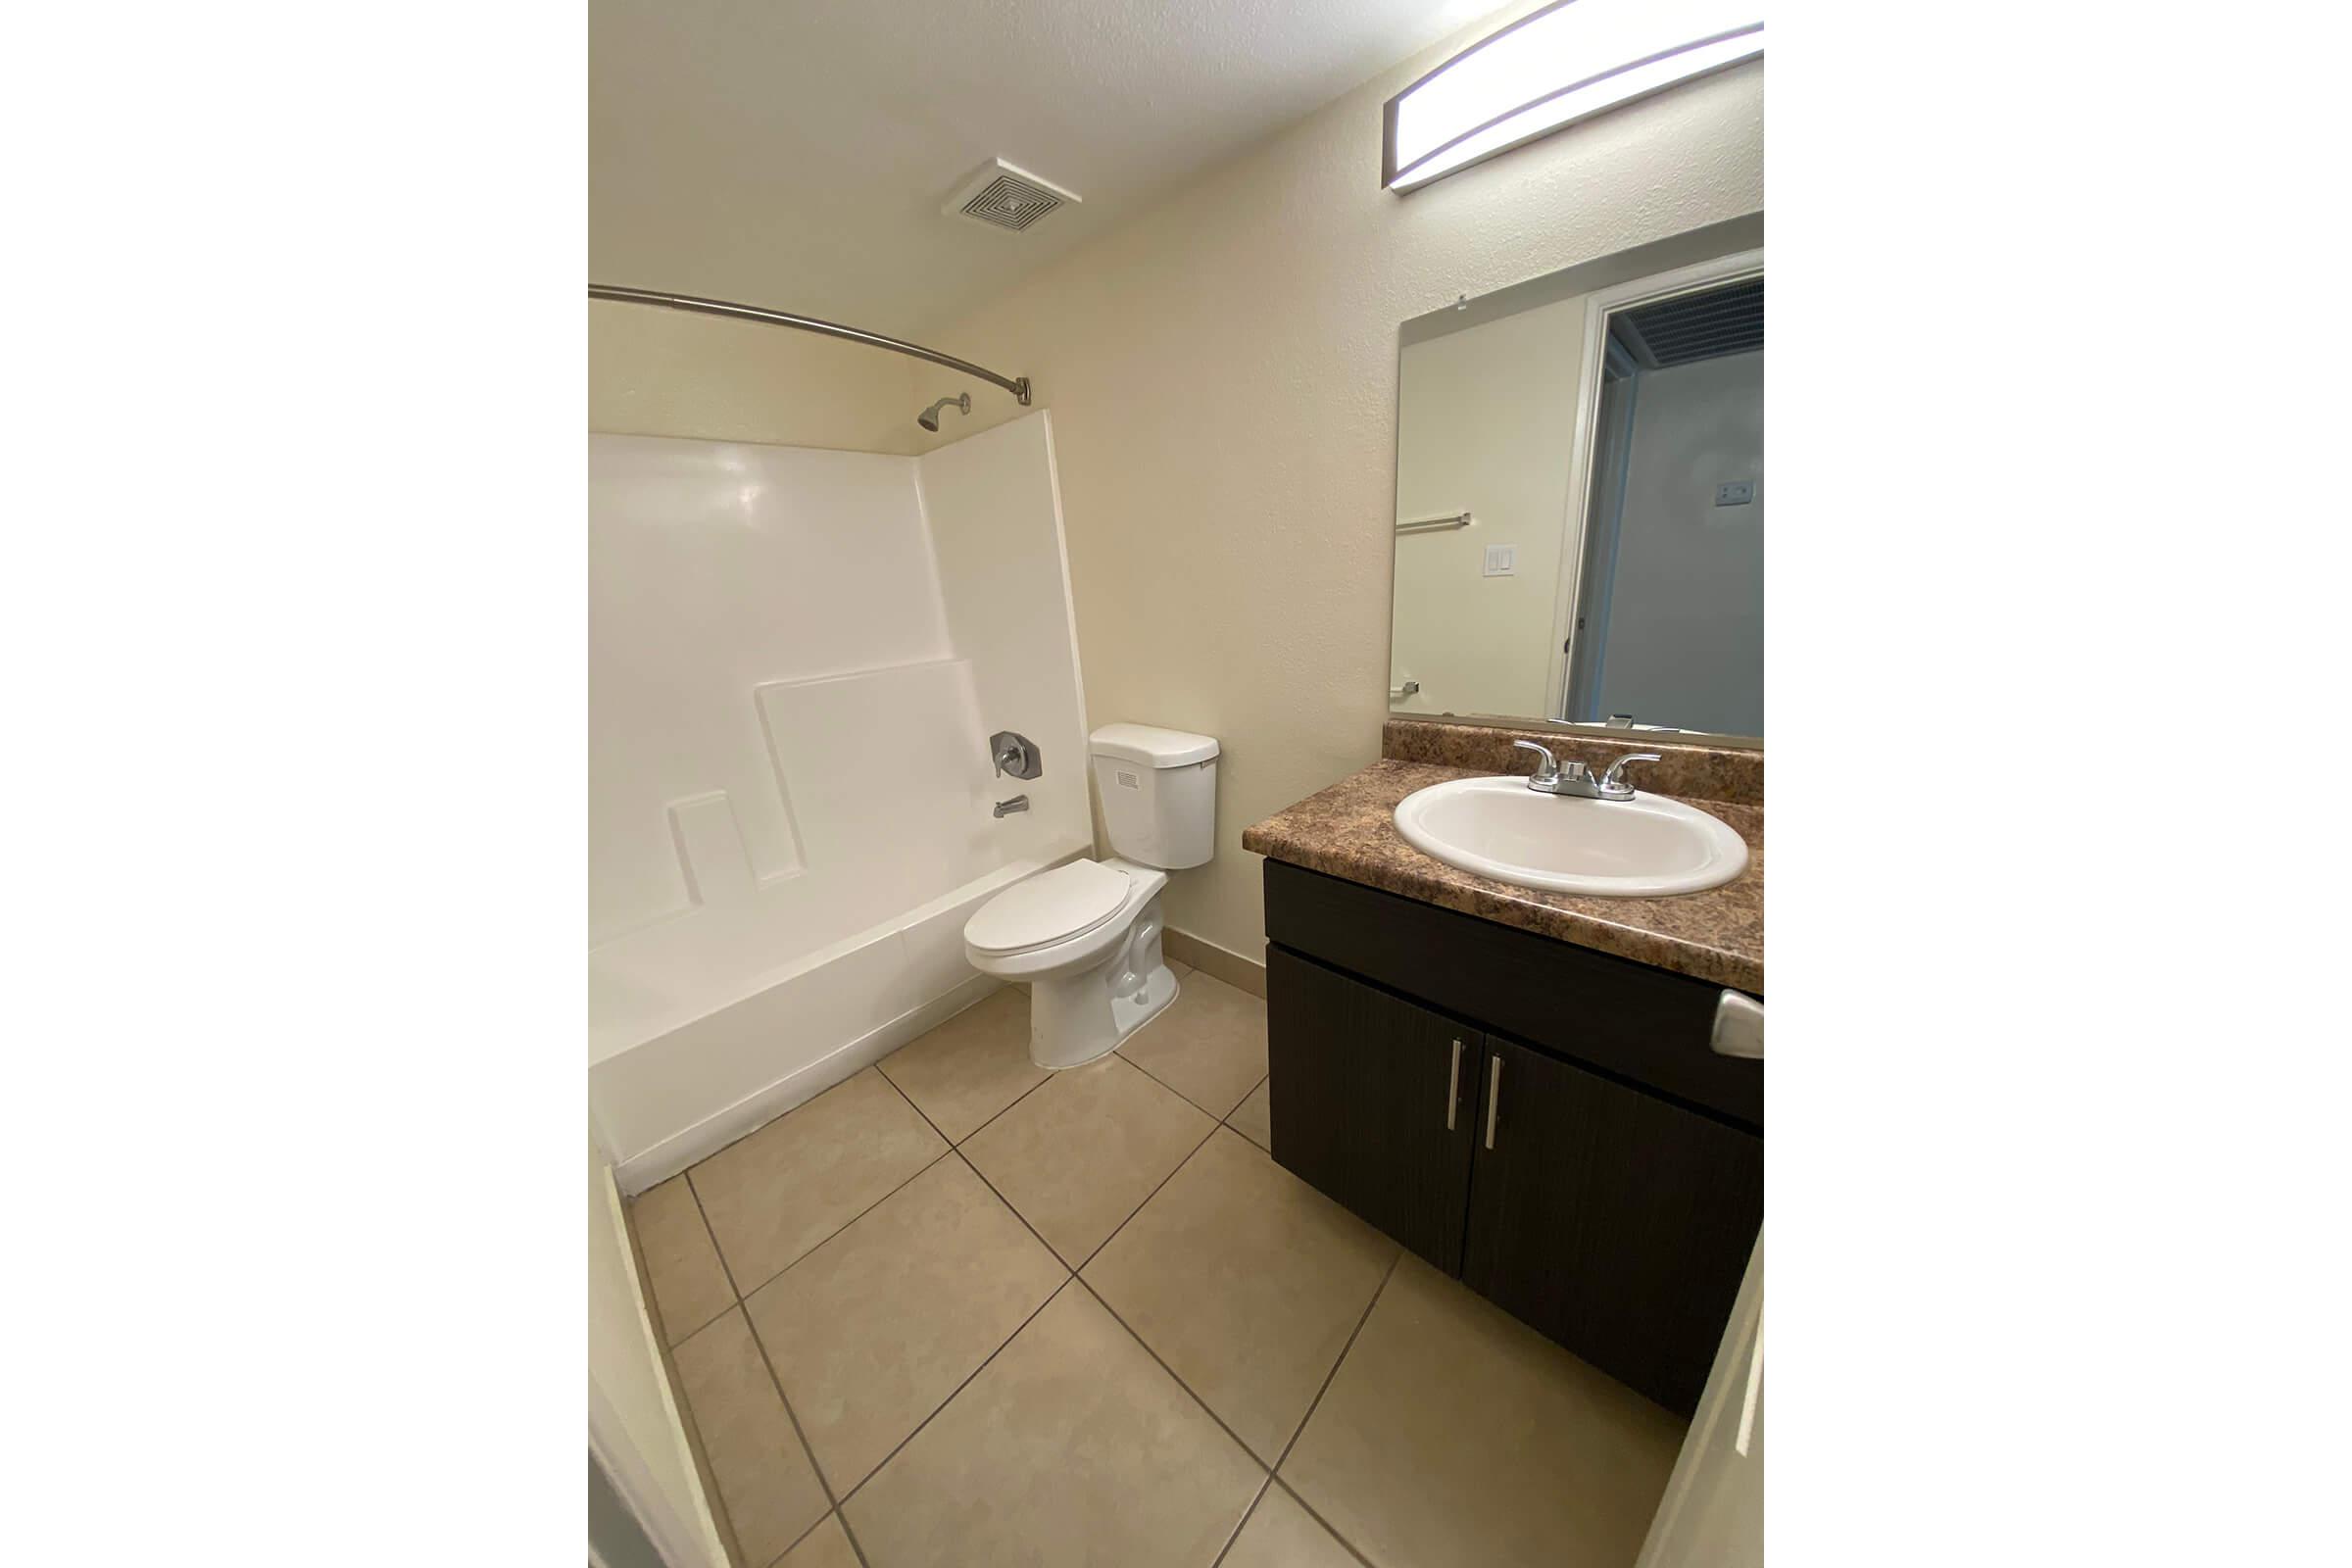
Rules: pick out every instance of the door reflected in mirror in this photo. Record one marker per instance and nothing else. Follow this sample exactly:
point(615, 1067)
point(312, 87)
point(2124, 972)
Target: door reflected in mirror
point(1579, 505)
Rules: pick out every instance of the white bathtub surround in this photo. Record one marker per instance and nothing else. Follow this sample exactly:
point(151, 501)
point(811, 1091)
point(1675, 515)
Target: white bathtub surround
point(796, 658)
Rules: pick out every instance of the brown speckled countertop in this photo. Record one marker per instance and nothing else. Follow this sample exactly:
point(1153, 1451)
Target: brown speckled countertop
point(1349, 831)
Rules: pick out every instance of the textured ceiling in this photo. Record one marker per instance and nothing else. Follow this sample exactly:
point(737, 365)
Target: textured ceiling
point(794, 153)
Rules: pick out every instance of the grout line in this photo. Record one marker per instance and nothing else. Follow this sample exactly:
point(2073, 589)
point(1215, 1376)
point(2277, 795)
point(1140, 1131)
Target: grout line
point(1247, 1451)
point(950, 1399)
point(724, 1268)
point(832, 1503)
point(826, 1487)
point(729, 1539)
point(721, 1312)
point(1331, 1376)
point(951, 1151)
point(1166, 1008)
point(1121, 1054)
point(959, 1142)
point(831, 1235)
point(1049, 1076)
point(757, 1131)
point(1236, 1110)
point(1155, 1192)
point(927, 1115)
point(823, 1483)
point(652, 1294)
point(837, 1504)
point(1017, 1214)
point(855, 1551)
point(1308, 1420)
point(1244, 1523)
point(957, 1151)
point(1346, 1546)
point(742, 1305)
point(958, 1148)
point(829, 1514)
point(742, 1296)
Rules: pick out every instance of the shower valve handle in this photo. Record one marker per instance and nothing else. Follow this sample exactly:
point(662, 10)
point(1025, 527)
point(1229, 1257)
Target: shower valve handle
point(1015, 754)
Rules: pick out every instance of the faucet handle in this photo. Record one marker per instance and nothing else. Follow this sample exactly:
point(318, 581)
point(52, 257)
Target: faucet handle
point(1547, 770)
point(1612, 783)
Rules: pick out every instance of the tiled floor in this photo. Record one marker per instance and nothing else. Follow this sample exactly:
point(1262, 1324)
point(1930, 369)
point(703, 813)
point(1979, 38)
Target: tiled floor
point(958, 1312)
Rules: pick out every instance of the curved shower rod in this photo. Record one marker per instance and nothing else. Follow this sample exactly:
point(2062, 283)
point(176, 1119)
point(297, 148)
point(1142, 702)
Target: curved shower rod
point(1017, 385)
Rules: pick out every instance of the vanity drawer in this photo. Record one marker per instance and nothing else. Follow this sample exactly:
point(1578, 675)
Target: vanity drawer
point(1641, 1023)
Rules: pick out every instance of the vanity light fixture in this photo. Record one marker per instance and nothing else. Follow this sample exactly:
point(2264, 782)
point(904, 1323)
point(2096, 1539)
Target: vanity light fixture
point(1568, 62)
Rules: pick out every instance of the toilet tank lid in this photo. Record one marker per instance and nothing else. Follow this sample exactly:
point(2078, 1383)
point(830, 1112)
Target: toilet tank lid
point(1153, 748)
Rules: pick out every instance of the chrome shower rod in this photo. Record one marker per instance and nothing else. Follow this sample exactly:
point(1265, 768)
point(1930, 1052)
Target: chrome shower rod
point(1017, 385)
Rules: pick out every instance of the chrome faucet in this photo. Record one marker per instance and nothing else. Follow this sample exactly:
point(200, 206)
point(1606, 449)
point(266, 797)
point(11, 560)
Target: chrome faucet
point(1555, 777)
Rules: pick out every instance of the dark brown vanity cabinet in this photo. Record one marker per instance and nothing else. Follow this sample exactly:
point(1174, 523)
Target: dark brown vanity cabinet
point(1386, 1127)
point(1489, 1098)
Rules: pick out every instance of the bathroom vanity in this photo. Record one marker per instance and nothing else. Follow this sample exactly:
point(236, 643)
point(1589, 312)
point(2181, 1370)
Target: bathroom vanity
point(1521, 1085)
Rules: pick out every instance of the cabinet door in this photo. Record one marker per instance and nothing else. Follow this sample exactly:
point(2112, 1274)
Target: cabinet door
point(1615, 1222)
point(1372, 1101)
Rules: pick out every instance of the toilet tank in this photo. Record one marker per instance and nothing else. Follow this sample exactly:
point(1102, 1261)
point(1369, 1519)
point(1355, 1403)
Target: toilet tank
point(1159, 793)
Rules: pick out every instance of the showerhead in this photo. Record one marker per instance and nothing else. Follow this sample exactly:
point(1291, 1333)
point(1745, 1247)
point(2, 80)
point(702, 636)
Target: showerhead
point(929, 418)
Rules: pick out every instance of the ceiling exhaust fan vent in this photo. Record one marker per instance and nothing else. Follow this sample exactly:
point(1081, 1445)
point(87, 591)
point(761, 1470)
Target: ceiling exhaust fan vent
point(1005, 197)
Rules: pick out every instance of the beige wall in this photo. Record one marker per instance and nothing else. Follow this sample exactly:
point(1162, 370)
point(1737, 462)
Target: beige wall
point(1223, 373)
point(1485, 424)
point(652, 371)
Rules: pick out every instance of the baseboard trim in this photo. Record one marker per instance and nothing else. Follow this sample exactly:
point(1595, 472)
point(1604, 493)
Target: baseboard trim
point(755, 1110)
point(1219, 963)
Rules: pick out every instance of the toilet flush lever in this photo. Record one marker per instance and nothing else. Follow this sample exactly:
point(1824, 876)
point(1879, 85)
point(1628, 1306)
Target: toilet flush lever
point(1015, 754)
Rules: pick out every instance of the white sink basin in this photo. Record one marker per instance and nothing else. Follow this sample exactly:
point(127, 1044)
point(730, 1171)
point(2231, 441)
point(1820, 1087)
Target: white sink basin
point(1643, 848)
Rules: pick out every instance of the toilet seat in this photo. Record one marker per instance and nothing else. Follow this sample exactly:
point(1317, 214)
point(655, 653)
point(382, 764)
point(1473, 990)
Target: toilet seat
point(1051, 907)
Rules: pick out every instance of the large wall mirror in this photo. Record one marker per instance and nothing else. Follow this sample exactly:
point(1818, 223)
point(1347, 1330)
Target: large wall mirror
point(1579, 496)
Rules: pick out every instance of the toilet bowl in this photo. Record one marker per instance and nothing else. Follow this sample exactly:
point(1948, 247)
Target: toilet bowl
point(1085, 936)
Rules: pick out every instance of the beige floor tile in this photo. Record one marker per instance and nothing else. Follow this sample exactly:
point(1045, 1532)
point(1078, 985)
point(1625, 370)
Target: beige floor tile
point(766, 1482)
point(873, 1330)
point(1454, 1435)
point(970, 1067)
point(825, 1546)
point(1281, 1534)
point(690, 1286)
point(1074, 1446)
point(1253, 1118)
point(1247, 1282)
point(1209, 1045)
point(798, 1179)
point(1083, 1152)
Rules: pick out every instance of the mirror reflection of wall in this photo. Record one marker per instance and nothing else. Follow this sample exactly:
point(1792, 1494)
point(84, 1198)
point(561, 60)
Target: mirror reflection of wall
point(1580, 507)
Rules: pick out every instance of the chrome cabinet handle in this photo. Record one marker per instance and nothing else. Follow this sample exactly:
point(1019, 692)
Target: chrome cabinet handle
point(1454, 1085)
point(1494, 1094)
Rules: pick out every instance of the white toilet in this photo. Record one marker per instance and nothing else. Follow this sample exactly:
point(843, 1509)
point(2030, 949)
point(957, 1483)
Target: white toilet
point(1085, 936)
